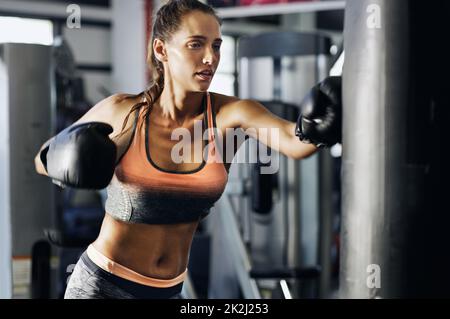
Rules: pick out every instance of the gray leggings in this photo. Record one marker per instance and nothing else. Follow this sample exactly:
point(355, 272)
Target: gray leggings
point(89, 281)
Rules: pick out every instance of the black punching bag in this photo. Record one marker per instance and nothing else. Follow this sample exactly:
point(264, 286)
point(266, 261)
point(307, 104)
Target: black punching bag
point(395, 205)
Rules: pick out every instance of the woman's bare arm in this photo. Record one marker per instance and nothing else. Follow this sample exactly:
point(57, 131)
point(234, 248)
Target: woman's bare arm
point(279, 134)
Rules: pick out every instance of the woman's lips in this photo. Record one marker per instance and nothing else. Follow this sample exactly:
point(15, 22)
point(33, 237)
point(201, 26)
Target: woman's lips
point(204, 77)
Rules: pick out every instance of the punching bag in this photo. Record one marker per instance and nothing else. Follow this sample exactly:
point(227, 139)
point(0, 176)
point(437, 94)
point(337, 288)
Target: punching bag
point(395, 208)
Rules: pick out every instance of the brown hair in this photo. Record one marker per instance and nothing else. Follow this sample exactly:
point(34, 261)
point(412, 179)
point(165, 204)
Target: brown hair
point(167, 21)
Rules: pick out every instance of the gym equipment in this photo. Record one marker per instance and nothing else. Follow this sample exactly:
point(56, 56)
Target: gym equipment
point(262, 190)
point(26, 198)
point(29, 75)
point(395, 166)
point(40, 270)
point(71, 102)
point(272, 221)
point(79, 223)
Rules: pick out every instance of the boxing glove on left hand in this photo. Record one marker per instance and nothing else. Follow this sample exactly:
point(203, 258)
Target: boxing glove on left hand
point(81, 156)
point(320, 120)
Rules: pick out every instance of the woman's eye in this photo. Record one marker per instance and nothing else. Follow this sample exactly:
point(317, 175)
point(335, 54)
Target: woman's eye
point(194, 45)
point(217, 47)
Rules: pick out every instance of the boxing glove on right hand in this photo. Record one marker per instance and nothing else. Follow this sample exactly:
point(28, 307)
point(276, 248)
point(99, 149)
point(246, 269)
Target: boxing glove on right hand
point(320, 120)
point(81, 156)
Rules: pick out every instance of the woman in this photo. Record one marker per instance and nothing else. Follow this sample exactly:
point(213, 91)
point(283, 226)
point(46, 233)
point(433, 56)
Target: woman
point(154, 203)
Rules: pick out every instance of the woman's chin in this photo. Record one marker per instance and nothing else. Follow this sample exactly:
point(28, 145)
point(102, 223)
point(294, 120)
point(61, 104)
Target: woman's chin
point(203, 88)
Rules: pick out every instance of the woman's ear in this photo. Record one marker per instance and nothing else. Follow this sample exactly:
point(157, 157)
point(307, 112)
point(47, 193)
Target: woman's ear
point(159, 50)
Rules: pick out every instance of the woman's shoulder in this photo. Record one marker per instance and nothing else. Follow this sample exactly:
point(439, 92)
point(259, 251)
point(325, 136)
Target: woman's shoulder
point(118, 103)
point(221, 100)
point(227, 108)
point(224, 103)
point(112, 108)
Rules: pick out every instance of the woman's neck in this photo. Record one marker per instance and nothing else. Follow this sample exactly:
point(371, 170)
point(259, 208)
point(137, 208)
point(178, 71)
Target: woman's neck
point(180, 106)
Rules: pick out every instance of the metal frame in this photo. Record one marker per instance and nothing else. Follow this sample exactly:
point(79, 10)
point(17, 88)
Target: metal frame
point(239, 255)
point(279, 8)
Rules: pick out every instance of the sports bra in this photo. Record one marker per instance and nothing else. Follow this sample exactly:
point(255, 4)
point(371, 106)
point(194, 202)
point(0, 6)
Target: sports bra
point(142, 192)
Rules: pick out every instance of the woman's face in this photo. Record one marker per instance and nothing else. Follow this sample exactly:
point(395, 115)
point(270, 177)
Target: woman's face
point(193, 52)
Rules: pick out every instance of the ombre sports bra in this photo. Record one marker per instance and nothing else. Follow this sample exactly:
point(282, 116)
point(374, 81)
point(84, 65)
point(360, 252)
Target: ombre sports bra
point(142, 192)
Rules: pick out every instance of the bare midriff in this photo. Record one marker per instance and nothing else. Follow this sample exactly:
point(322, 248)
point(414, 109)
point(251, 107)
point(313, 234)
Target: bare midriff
point(157, 251)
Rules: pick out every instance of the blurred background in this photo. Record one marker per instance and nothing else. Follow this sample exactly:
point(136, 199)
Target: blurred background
point(59, 58)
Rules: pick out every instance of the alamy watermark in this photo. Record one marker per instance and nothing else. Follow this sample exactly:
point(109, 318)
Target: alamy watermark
point(252, 152)
point(73, 20)
point(374, 18)
point(374, 279)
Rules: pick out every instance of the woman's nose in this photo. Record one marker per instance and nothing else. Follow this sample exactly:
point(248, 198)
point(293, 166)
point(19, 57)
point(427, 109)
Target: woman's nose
point(209, 56)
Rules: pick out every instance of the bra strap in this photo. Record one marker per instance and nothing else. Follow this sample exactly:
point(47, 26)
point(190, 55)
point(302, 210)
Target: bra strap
point(211, 134)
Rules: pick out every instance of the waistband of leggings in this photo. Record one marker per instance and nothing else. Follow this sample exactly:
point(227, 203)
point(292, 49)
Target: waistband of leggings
point(137, 290)
point(121, 271)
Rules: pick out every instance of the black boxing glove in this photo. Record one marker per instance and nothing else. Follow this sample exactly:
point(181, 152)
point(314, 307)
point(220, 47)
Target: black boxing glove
point(81, 156)
point(320, 120)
